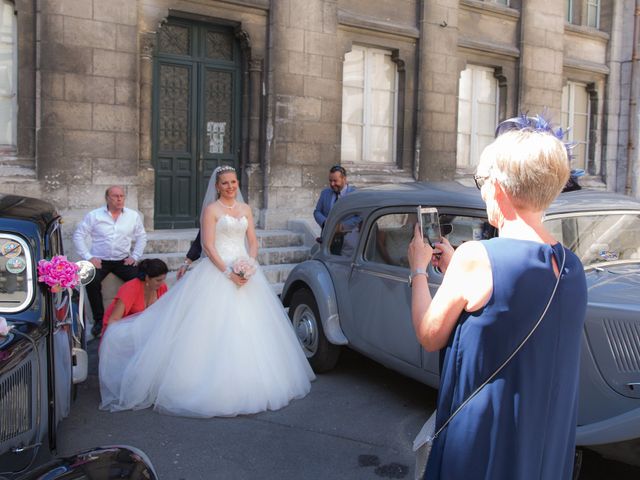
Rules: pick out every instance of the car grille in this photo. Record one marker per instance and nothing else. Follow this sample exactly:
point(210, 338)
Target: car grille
point(15, 402)
point(624, 340)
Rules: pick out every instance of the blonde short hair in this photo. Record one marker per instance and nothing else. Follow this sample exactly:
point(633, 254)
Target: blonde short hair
point(531, 166)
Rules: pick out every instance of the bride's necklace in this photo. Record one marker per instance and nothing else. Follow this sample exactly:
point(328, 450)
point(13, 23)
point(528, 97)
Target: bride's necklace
point(227, 206)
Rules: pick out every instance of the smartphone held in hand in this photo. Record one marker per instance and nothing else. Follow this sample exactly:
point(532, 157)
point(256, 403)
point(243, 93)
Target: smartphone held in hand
point(429, 224)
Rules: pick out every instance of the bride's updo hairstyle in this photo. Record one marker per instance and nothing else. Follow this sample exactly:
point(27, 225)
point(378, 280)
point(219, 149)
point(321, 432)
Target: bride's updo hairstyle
point(531, 166)
point(152, 268)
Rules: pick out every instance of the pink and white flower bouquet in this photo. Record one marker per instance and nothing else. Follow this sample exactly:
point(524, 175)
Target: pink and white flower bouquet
point(58, 273)
point(4, 328)
point(244, 267)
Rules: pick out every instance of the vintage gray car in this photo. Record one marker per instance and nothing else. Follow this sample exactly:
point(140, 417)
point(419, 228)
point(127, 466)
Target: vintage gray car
point(354, 291)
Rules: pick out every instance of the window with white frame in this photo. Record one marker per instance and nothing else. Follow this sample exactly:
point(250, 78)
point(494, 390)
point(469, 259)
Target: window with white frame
point(593, 13)
point(477, 113)
point(500, 2)
point(568, 6)
point(575, 118)
point(8, 74)
point(369, 106)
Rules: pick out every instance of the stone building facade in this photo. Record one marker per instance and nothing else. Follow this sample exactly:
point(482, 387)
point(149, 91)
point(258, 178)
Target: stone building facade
point(153, 94)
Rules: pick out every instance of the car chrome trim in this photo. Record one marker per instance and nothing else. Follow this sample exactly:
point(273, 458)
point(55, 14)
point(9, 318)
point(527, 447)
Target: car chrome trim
point(589, 213)
point(29, 273)
point(388, 276)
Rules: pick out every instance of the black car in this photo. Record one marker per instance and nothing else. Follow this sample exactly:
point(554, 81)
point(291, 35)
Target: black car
point(41, 356)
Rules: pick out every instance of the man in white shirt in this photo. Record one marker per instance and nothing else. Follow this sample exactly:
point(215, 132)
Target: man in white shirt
point(112, 229)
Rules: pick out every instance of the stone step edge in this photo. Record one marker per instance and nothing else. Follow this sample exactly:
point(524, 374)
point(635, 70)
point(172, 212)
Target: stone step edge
point(295, 248)
point(190, 233)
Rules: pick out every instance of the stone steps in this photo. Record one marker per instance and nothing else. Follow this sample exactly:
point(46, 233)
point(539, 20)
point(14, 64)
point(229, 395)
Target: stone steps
point(169, 241)
point(266, 256)
point(279, 251)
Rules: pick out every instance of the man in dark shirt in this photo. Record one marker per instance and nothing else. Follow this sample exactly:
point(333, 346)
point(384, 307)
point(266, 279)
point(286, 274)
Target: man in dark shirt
point(193, 254)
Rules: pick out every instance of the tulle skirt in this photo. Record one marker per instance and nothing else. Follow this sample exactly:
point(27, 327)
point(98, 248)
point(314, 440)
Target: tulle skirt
point(206, 348)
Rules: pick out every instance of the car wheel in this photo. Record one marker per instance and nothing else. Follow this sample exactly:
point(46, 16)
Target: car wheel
point(303, 312)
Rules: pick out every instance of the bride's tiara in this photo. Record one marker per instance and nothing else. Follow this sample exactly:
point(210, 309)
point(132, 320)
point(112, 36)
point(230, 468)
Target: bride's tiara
point(222, 169)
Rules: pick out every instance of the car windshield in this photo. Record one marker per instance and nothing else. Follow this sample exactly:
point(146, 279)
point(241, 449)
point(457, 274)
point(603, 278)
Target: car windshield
point(599, 237)
point(16, 274)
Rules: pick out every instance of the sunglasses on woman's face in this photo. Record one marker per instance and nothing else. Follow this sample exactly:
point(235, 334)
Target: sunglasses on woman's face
point(480, 179)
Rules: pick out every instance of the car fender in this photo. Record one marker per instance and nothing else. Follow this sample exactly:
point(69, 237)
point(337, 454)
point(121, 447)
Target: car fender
point(616, 429)
point(313, 275)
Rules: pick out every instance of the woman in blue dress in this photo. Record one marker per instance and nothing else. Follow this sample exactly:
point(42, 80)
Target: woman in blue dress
point(521, 425)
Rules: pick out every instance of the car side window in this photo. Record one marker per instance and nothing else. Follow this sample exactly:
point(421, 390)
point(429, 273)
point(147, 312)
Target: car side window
point(346, 235)
point(389, 239)
point(462, 228)
point(16, 273)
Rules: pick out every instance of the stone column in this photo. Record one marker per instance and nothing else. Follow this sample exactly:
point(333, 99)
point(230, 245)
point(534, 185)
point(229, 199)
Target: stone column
point(305, 113)
point(438, 90)
point(541, 57)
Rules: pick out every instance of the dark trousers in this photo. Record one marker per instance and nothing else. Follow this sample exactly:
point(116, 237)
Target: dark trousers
point(94, 289)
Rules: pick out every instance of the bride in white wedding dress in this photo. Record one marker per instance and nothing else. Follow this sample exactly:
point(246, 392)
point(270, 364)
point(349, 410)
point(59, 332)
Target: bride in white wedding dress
point(216, 344)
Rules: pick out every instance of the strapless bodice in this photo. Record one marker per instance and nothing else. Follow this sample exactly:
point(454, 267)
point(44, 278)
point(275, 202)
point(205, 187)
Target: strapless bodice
point(230, 235)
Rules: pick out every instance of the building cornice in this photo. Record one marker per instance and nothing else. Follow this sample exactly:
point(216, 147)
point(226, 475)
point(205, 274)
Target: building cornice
point(586, 66)
point(350, 19)
point(586, 32)
point(490, 8)
point(496, 48)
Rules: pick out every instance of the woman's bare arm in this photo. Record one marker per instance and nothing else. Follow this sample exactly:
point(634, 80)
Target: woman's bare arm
point(117, 313)
point(209, 219)
point(252, 239)
point(466, 285)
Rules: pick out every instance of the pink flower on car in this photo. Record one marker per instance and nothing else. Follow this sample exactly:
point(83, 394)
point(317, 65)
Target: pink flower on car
point(58, 273)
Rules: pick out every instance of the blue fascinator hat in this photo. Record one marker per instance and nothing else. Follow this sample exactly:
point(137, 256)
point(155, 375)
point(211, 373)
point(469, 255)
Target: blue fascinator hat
point(541, 124)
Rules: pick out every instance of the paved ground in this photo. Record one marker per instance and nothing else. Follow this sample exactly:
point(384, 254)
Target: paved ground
point(358, 422)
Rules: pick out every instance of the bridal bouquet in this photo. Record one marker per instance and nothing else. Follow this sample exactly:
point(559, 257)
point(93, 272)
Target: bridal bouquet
point(244, 267)
point(58, 273)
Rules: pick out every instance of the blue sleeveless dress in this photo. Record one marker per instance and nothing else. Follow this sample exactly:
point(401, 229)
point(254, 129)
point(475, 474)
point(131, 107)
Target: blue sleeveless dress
point(522, 424)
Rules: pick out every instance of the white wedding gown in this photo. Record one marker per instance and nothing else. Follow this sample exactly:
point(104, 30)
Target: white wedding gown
point(206, 348)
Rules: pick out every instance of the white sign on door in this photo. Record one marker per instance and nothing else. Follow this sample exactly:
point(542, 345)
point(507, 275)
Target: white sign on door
point(215, 130)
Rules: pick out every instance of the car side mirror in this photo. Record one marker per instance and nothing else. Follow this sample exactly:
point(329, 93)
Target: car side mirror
point(86, 271)
point(446, 229)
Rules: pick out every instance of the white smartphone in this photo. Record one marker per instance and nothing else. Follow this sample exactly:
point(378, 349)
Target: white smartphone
point(429, 224)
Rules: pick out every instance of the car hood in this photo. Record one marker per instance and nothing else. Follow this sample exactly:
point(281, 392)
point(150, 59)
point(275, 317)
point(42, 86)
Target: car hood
point(617, 285)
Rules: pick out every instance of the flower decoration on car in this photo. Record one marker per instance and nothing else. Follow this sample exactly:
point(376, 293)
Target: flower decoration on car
point(58, 273)
point(4, 327)
point(244, 267)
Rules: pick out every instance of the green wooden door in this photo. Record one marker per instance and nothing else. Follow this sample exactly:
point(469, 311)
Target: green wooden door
point(196, 116)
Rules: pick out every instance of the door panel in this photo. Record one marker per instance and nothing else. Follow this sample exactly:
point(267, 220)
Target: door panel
point(197, 96)
point(379, 290)
point(176, 161)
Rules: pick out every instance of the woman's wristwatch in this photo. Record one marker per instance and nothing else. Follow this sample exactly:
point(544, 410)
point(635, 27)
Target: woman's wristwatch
point(416, 272)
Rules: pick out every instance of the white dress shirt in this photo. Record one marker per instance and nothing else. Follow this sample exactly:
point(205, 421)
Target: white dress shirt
point(110, 239)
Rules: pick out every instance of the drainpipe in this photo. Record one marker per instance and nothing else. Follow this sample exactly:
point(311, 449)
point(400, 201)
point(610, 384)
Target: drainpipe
point(631, 187)
point(266, 121)
point(36, 71)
